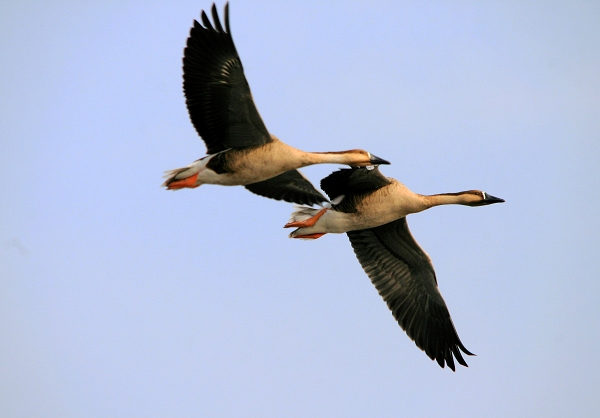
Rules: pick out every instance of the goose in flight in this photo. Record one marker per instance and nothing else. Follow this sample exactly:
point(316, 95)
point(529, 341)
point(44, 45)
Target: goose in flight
point(372, 209)
point(240, 149)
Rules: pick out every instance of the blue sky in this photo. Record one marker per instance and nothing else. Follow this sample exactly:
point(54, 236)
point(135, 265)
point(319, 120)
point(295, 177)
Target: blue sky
point(118, 298)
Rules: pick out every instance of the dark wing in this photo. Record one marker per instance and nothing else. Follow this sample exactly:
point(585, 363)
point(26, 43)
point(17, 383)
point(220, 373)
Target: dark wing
point(290, 186)
point(354, 180)
point(217, 94)
point(403, 275)
point(354, 184)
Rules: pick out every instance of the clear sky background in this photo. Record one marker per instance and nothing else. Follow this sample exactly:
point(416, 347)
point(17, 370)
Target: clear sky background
point(120, 299)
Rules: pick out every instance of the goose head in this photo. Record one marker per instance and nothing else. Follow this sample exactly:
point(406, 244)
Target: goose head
point(478, 198)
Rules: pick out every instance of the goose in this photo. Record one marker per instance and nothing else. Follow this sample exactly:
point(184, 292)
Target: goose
point(371, 209)
point(240, 149)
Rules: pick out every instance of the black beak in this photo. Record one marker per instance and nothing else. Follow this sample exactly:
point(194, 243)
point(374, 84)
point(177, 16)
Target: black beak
point(489, 199)
point(377, 161)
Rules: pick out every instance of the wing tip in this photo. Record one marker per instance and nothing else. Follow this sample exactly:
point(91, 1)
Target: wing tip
point(215, 25)
point(449, 354)
point(227, 29)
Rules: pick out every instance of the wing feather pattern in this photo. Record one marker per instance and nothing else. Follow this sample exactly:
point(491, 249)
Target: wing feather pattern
point(290, 186)
point(353, 181)
point(404, 277)
point(217, 94)
point(355, 184)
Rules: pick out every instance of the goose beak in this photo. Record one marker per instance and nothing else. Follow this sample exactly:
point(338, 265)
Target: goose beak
point(489, 199)
point(377, 161)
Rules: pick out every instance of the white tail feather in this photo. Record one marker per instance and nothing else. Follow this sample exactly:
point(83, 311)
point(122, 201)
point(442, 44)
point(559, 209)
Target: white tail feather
point(185, 172)
point(171, 175)
point(302, 213)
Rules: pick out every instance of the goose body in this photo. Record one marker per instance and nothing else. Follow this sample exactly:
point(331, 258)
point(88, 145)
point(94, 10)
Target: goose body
point(382, 206)
point(372, 210)
point(240, 149)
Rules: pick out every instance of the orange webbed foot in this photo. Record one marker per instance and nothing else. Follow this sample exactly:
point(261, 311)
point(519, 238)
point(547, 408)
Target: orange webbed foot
point(310, 236)
point(308, 222)
point(187, 182)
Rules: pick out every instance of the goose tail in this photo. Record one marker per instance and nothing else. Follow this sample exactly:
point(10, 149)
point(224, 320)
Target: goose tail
point(302, 213)
point(180, 178)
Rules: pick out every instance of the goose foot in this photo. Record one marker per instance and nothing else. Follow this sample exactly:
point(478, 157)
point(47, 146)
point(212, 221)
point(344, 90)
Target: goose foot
point(309, 236)
point(308, 222)
point(187, 182)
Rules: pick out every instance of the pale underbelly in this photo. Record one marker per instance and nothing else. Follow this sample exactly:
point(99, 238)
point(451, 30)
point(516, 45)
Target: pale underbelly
point(208, 176)
point(253, 169)
point(339, 222)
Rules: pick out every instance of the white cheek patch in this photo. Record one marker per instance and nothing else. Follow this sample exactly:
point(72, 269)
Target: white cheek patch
point(370, 167)
point(485, 196)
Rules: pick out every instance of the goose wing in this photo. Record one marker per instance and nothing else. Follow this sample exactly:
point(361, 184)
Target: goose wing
point(353, 181)
point(403, 275)
point(217, 94)
point(354, 184)
point(290, 186)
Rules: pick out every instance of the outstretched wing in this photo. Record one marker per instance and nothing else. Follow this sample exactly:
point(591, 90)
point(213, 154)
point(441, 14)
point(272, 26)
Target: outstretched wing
point(355, 184)
point(403, 275)
point(353, 181)
point(290, 186)
point(217, 94)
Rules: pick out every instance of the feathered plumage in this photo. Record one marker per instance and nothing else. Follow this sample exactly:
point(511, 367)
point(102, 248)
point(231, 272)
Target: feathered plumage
point(372, 209)
point(241, 149)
